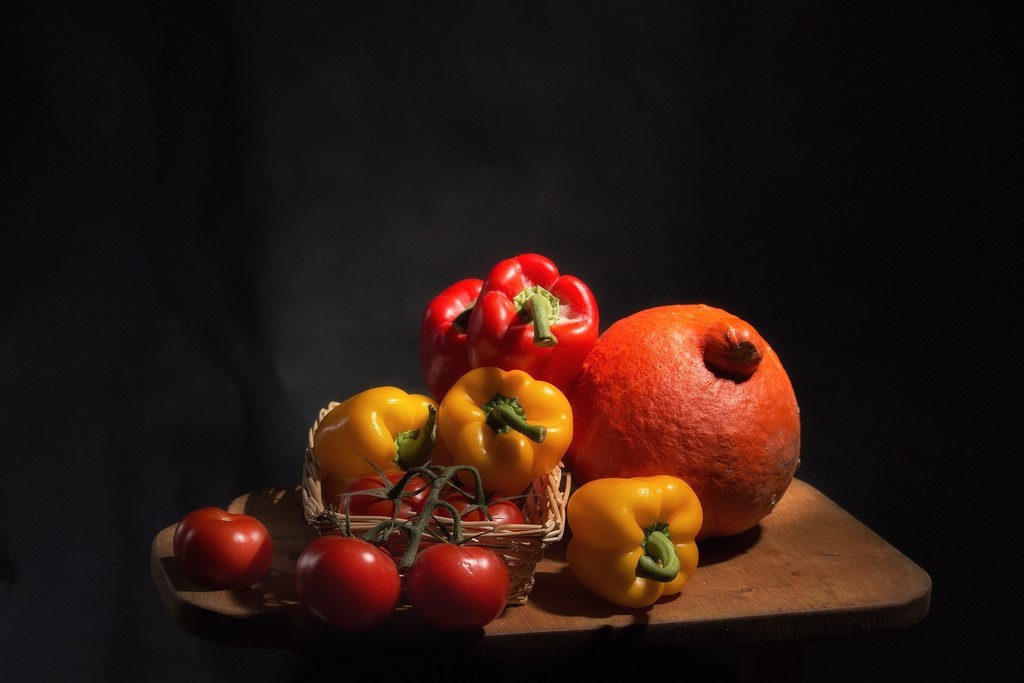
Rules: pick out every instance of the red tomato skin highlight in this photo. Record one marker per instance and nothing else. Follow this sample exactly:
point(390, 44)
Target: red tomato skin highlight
point(458, 587)
point(222, 550)
point(348, 583)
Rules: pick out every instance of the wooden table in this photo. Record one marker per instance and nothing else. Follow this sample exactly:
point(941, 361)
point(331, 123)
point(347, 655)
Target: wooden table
point(809, 571)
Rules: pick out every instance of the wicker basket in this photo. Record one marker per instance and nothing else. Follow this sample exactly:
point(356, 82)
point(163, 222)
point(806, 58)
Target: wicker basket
point(521, 545)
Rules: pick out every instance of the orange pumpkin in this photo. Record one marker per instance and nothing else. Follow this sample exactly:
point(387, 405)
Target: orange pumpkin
point(692, 391)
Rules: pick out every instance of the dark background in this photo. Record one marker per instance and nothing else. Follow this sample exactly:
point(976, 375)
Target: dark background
point(220, 216)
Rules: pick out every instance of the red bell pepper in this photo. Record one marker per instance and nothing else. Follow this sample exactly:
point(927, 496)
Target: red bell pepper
point(530, 317)
point(443, 355)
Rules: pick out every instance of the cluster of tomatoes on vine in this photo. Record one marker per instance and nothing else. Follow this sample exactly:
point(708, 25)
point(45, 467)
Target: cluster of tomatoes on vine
point(417, 556)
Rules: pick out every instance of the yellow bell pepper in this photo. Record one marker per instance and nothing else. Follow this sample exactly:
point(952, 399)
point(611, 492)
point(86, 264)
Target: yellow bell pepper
point(511, 428)
point(633, 539)
point(380, 428)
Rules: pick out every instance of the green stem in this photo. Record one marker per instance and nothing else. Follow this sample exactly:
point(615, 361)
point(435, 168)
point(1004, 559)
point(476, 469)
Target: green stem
point(542, 306)
point(397, 490)
point(504, 416)
point(414, 446)
point(660, 563)
point(416, 530)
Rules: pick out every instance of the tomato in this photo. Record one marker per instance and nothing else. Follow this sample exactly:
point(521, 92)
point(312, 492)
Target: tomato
point(415, 493)
point(503, 510)
point(349, 583)
point(457, 587)
point(220, 550)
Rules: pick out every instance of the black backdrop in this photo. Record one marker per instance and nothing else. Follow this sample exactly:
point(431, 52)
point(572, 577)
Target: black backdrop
point(220, 216)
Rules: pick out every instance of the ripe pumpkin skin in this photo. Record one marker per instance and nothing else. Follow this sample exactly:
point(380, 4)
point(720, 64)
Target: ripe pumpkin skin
point(692, 391)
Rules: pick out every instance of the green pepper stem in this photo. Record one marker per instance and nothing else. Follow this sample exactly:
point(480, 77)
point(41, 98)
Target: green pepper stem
point(660, 563)
point(505, 415)
point(414, 446)
point(542, 306)
point(539, 308)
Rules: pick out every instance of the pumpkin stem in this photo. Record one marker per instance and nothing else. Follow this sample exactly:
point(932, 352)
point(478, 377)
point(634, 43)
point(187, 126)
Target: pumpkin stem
point(733, 349)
